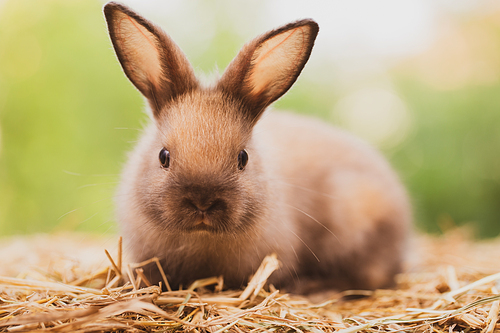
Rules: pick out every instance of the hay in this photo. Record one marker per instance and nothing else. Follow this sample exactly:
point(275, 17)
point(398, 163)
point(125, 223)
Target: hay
point(451, 284)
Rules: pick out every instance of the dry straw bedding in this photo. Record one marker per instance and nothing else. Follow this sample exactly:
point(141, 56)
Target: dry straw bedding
point(451, 285)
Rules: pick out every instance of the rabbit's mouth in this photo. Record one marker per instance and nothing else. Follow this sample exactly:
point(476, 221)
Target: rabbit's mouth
point(203, 223)
point(214, 219)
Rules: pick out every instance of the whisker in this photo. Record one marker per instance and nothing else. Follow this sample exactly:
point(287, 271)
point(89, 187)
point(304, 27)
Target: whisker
point(315, 220)
point(305, 244)
point(88, 218)
point(71, 173)
point(71, 211)
point(78, 174)
point(107, 198)
point(280, 181)
point(129, 129)
point(294, 252)
point(295, 273)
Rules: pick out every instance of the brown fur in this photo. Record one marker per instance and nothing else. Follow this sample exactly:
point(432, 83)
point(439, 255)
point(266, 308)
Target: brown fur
point(325, 202)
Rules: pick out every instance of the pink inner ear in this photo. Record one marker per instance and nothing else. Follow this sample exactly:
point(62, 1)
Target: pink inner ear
point(275, 61)
point(139, 48)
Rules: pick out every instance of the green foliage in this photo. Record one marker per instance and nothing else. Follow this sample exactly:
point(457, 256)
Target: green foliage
point(68, 115)
point(62, 99)
point(451, 162)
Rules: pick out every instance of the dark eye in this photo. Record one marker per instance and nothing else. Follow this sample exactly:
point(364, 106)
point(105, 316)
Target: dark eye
point(242, 159)
point(164, 158)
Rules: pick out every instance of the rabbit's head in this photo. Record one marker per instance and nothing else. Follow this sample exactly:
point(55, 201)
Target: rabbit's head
point(199, 169)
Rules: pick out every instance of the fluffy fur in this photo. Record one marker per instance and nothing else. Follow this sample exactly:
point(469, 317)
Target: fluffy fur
point(328, 204)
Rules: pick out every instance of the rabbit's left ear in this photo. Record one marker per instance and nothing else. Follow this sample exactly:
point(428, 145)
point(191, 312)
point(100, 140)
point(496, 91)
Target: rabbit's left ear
point(268, 66)
point(149, 58)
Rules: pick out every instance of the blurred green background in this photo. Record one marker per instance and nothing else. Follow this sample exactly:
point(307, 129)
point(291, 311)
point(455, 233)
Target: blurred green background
point(68, 115)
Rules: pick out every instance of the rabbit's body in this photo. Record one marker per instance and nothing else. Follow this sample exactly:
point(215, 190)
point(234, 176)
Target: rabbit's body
point(350, 215)
point(216, 183)
point(341, 226)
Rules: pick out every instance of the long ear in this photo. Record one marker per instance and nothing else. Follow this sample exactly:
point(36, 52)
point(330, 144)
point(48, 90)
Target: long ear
point(150, 59)
point(268, 66)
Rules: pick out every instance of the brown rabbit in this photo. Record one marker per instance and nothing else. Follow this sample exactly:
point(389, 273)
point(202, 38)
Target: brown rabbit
point(216, 183)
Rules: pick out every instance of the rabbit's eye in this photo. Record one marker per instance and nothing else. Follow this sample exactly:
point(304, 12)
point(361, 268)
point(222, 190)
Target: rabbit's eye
point(242, 159)
point(164, 158)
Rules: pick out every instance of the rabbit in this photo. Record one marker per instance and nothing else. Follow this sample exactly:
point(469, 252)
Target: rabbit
point(216, 181)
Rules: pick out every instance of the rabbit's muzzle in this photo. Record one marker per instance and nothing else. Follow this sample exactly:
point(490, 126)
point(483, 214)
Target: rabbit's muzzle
point(207, 210)
point(203, 207)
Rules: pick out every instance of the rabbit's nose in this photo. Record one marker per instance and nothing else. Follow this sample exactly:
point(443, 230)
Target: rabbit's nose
point(202, 206)
point(207, 206)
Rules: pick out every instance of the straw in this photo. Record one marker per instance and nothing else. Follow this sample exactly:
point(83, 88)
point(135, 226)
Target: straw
point(472, 302)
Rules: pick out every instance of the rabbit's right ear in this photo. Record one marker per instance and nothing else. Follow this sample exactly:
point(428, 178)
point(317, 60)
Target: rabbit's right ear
point(150, 59)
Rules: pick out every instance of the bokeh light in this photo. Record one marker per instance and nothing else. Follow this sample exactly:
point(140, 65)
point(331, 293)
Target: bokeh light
point(377, 115)
point(420, 80)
